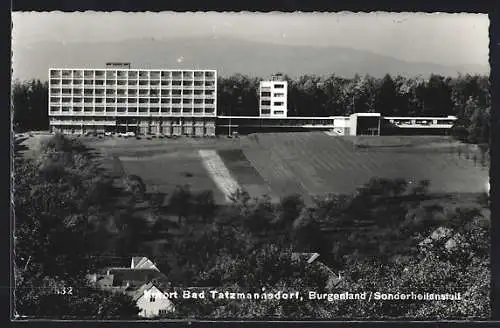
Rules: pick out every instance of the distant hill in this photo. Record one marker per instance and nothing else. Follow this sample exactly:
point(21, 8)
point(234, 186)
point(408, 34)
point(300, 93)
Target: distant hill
point(227, 55)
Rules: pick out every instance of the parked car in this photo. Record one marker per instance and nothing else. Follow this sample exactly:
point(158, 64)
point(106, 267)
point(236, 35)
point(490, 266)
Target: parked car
point(130, 134)
point(108, 134)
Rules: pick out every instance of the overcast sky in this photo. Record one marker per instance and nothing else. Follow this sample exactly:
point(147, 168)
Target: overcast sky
point(438, 38)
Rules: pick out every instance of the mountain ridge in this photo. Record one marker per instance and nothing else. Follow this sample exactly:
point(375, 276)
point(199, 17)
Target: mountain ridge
point(227, 55)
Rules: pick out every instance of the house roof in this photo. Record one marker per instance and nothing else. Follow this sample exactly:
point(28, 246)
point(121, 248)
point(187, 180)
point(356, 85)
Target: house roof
point(142, 263)
point(309, 257)
point(137, 293)
point(123, 276)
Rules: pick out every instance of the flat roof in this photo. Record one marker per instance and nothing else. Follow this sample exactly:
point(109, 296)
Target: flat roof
point(420, 117)
point(366, 114)
point(338, 117)
point(286, 117)
point(132, 69)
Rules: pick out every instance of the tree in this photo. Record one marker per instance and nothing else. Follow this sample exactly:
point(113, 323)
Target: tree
point(438, 96)
point(118, 306)
point(30, 102)
point(135, 186)
point(180, 202)
point(478, 129)
point(289, 210)
point(386, 98)
point(62, 231)
point(204, 205)
point(307, 233)
point(157, 199)
point(267, 269)
point(55, 300)
point(261, 215)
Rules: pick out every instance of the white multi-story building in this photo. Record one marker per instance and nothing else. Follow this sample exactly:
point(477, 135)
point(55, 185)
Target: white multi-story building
point(120, 99)
point(273, 97)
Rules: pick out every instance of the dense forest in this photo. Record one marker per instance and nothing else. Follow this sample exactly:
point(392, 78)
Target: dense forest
point(73, 218)
point(466, 96)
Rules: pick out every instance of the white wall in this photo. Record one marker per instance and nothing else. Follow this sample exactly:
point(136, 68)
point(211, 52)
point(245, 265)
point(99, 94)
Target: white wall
point(275, 98)
point(151, 309)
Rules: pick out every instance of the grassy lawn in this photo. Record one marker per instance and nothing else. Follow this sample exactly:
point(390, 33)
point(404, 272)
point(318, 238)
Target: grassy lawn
point(279, 164)
point(317, 163)
point(246, 175)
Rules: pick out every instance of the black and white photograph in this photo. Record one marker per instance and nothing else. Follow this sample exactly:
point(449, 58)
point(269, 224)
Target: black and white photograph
point(172, 166)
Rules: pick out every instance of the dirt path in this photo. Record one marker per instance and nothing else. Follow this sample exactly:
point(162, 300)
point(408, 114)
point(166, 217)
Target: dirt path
point(219, 172)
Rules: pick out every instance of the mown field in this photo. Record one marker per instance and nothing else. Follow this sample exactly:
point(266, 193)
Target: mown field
point(314, 163)
point(278, 164)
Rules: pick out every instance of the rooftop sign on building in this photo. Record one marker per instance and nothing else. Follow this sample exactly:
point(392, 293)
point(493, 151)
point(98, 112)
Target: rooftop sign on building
point(277, 77)
point(117, 65)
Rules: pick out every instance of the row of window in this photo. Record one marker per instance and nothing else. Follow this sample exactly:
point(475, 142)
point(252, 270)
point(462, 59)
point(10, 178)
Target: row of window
point(131, 120)
point(275, 86)
point(54, 100)
point(266, 94)
point(276, 112)
point(422, 122)
point(185, 83)
point(134, 105)
point(163, 109)
point(268, 103)
point(151, 92)
point(131, 74)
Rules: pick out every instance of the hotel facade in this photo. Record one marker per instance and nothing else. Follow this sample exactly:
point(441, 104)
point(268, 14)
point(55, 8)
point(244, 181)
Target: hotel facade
point(145, 101)
point(176, 102)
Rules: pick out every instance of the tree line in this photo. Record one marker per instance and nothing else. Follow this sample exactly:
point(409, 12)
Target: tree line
point(465, 96)
point(73, 218)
